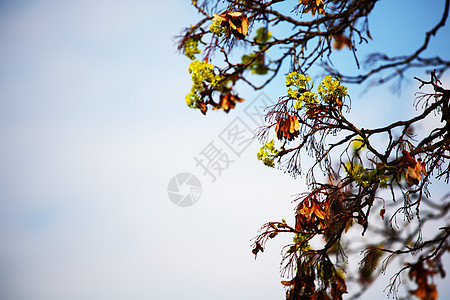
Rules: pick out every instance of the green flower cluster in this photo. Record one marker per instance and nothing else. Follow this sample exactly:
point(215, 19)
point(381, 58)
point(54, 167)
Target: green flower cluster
point(191, 48)
point(268, 153)
point(299, 89)
point(300, 243)
point(296, 80)
point(202, 74)
point(364, 177)
point(216, 28)
point(331, 90)
point(262, 36)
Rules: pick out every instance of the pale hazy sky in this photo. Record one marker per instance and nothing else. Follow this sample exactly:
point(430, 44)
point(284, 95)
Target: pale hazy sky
point(93, 125)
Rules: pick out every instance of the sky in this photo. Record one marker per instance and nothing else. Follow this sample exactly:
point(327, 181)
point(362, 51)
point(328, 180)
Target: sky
point(93, 128)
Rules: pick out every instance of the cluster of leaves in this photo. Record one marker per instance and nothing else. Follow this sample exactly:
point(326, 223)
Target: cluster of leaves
point(335, 25)
point(287, 127)
point(205, 82)
point(314, 276)
point(330, 210)
point(329, 92)
point(224, 29)
point(306, 115)
point(364, 177)
point(338, 24)
point(315, 123)
point(268, 153)
point(413, 168)
point(207, 79)
point(420, 273)
point(313, 6)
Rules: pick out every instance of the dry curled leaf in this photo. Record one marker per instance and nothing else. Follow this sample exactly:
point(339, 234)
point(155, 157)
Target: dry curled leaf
point(234, 22)
point(287, 282)
point(313, 6)
point(408, 160)
point(413, 174)
point(310, 214)
point(257, 248)
point(202, 106)
point(287, 128)
point(341, 41)
point(294, 124)
point(421, 274)
point(423, 168)
point(227, 102)
point(413, 168)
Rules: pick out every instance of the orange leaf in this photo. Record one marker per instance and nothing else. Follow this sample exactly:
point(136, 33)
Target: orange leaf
point(227, 102)
point(413, 174)
point(318, 211)
point(295, 124)
point(306, 211)
point(234, 13)
point(423, 168)
point(287, 283)
point(244, 26)
point(408, 159)
point(340, 41)
point(202, 106)
point(219, 17)
point(287, 127)
point(238, 23)
point(313, 6)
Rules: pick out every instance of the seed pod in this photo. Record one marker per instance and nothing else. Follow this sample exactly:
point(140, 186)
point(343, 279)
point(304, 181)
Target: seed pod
point(408, 160)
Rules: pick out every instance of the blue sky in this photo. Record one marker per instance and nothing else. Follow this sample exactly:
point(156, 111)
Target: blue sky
point(93, 125)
